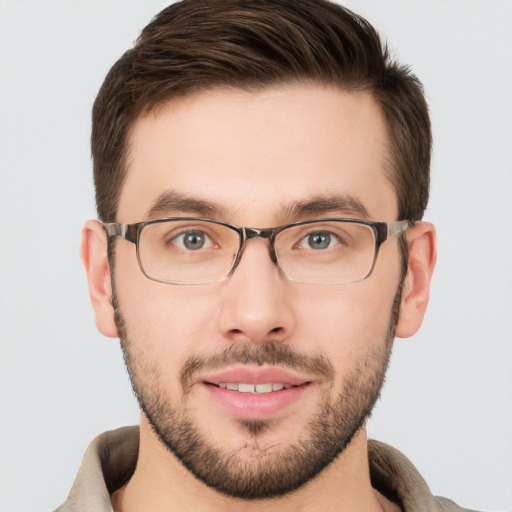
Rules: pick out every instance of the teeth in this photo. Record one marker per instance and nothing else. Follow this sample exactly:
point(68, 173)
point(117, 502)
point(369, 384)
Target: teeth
point(263, 388)
point(253, 388)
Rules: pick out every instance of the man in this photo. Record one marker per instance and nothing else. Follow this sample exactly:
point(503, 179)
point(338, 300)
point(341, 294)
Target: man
point(261, 172)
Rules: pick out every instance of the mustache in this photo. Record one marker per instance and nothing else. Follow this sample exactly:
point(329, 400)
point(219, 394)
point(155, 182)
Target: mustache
point(271, 352)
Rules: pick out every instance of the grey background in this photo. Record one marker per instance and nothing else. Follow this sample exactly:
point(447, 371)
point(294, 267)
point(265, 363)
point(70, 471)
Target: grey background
point(447, 403)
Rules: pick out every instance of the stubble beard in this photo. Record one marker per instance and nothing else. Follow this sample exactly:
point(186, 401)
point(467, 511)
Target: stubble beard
point(257, 470)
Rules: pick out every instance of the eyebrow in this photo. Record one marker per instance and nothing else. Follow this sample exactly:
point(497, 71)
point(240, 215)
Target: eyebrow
point(171, 203)
point(316, 206)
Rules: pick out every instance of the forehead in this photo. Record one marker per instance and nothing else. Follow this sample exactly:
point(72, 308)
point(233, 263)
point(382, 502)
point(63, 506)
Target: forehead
point(253, 154)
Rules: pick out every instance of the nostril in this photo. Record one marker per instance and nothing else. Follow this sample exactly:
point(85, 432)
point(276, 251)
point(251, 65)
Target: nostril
point(276, 330)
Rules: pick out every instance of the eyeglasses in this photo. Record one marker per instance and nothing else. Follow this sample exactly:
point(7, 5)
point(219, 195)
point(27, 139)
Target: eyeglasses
point(189, 250)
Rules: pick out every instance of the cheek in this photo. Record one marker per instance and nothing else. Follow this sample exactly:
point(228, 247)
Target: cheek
point(163, 320)
point(345, 323)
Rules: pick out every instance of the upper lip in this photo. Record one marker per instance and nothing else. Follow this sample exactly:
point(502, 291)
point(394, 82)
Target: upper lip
point(254, 375)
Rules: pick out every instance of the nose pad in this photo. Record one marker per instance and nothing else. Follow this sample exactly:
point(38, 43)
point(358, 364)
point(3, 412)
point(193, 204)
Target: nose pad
point(246, 249)
point(272, 254)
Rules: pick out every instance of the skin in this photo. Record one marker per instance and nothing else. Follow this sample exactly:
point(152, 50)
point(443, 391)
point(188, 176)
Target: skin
point(253, 155)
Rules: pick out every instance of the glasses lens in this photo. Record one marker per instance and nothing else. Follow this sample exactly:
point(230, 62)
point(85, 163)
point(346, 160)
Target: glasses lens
point(326, 252)
point(187, 251)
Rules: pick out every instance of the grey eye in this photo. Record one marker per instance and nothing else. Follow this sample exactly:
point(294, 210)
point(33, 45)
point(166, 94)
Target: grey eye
point(191, 240)
point(319, 240)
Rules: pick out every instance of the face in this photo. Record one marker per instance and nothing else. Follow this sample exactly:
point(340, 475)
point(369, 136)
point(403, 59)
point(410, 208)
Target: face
point(313, 356)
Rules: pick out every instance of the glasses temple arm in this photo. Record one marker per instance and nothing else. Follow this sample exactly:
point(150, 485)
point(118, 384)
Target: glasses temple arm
point(398, 226)
point(126, 231)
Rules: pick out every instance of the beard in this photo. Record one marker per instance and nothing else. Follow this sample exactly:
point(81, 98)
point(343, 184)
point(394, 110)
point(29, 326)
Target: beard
point(259, 469)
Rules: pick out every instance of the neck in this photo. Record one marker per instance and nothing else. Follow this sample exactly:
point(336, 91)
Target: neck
point(161, 483)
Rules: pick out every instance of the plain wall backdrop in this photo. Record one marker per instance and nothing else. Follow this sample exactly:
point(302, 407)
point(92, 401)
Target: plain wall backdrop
point(447, 403)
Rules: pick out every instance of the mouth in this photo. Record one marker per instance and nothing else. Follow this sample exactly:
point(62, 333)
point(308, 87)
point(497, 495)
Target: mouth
point(257, 389)
point(255, 393)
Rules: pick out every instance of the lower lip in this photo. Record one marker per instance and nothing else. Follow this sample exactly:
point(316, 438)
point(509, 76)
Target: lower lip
point(252, 406)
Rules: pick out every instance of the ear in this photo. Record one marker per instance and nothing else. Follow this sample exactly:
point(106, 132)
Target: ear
point(93, 250)
point(421, 241)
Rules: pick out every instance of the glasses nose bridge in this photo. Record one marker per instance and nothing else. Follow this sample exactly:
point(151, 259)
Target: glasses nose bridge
point(268, 233)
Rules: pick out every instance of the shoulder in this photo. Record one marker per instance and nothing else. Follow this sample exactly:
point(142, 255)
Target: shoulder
point(107, 464)
point(394, 475)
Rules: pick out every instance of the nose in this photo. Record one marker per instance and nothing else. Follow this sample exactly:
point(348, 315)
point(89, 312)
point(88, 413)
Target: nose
point(255, 302)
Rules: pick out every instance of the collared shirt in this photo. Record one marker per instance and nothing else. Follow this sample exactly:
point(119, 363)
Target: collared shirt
point(110, 461)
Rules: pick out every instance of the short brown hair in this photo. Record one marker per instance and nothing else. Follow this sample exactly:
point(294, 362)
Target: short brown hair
point(196, 45)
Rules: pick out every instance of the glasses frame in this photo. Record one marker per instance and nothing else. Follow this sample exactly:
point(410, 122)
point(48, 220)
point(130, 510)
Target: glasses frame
point(382, 231)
